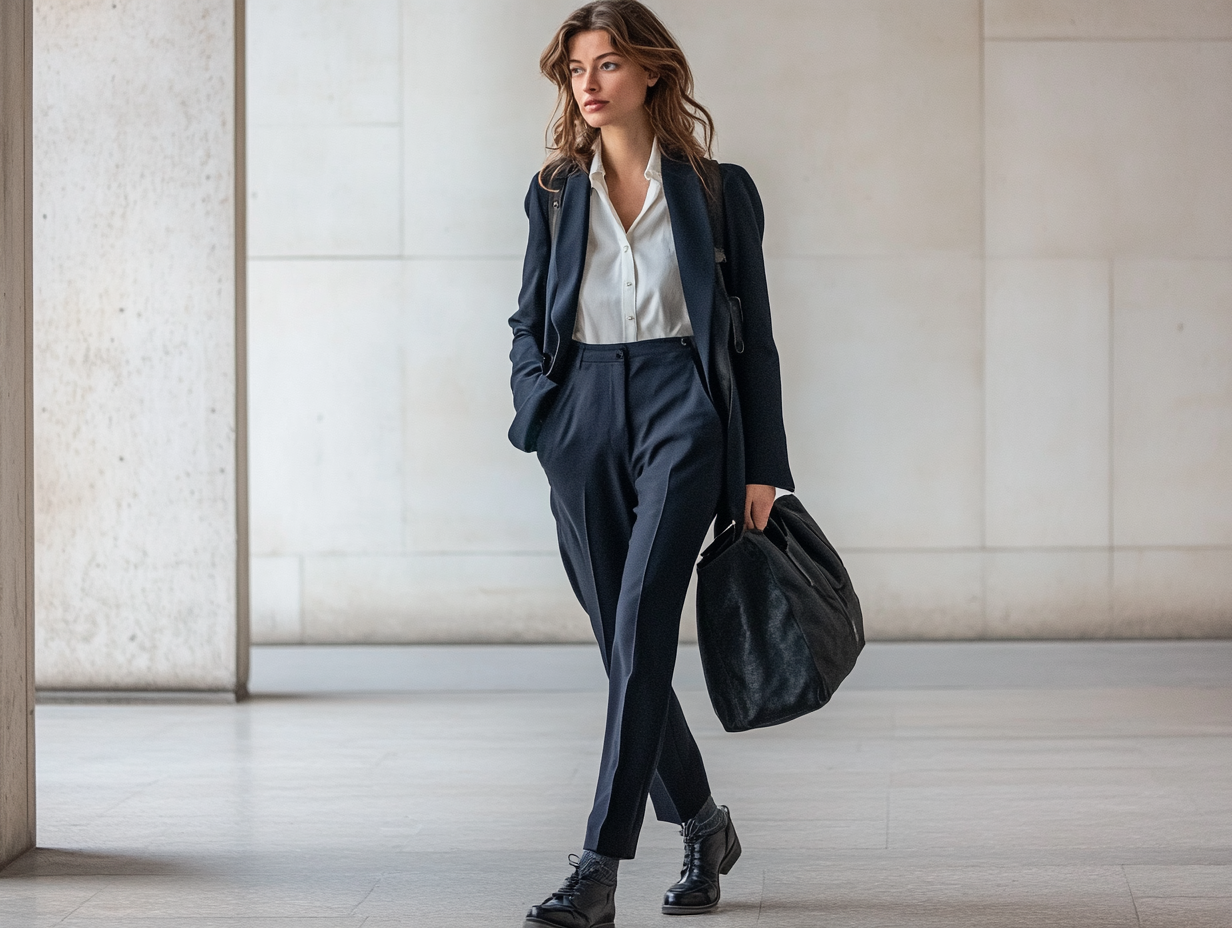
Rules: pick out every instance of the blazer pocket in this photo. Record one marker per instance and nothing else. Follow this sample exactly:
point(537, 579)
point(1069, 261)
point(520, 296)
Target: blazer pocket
point(528, 420)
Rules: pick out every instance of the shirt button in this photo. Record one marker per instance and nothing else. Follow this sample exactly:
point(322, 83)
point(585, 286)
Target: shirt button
point(628, 283)
point(630, 318)
point(626, 248)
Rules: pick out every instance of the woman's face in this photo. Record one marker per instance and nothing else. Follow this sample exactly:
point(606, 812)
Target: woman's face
point(610, 90)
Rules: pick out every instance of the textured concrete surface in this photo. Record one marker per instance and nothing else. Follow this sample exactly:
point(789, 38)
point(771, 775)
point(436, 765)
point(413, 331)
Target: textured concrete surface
point(16, 470)
point(1040, 806)
point(138, 371)
point(1000, 263)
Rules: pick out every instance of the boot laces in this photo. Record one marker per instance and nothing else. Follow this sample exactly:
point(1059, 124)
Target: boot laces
point(572, 881)
point(692, 855)
point(692, 846)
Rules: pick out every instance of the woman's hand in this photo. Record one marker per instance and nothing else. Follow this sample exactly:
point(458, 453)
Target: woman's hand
point(758, 498)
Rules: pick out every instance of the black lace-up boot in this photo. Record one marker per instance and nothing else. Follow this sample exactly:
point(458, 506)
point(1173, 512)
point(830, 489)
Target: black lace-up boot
point(705, 857)
point(584, 901)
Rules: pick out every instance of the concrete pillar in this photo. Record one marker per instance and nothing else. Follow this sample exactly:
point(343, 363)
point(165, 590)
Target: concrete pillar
point(16, 442)
point(139, 349)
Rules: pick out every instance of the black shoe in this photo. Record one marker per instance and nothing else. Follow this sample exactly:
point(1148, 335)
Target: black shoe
point(704, 859)
point(582, 902)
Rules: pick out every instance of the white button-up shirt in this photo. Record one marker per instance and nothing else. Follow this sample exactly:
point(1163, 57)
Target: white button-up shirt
point(631, 283)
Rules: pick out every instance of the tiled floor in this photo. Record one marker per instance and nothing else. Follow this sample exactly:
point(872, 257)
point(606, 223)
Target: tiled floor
point(972, 805)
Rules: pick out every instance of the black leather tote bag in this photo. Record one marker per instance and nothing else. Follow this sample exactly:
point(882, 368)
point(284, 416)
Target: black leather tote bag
point(778, 623)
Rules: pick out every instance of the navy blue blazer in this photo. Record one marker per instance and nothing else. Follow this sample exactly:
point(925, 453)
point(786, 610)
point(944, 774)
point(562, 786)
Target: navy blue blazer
point(547, 306)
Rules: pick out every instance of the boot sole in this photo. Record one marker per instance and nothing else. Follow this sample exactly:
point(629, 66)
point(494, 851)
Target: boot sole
point(729, 861)
point(689, 909)
point(540, 923)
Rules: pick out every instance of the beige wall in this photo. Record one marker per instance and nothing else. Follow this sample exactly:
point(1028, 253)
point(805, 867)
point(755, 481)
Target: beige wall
point(16, 472)
point(138, 345)
point(1000, 247)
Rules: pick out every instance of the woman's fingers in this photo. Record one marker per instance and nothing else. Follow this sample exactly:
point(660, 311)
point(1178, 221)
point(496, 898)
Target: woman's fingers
point(758, 501)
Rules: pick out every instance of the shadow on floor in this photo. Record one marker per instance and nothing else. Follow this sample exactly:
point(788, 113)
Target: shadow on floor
point(50, 861)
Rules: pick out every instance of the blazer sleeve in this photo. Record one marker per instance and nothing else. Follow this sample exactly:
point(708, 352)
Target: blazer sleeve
point(756, 369)
point(528, 323)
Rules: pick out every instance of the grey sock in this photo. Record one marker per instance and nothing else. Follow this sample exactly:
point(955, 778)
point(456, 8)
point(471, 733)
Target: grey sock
point(599, 867)
point(707, 821)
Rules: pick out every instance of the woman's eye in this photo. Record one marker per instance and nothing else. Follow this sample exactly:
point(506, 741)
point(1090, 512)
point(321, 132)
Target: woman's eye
point(608, 66)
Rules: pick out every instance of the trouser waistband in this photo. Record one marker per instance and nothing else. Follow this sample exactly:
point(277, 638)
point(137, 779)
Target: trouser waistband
point(619, 352)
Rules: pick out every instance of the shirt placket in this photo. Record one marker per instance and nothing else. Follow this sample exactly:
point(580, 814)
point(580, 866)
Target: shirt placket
point(628, 303)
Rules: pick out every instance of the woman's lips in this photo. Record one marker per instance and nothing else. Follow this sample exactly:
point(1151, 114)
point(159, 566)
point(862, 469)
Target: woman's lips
point(594, 104)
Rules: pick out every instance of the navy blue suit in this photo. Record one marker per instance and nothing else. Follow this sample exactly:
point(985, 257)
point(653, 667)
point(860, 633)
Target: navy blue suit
point(634, 452)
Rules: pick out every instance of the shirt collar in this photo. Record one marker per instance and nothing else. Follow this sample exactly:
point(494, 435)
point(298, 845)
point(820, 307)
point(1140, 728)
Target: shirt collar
point(654, 167)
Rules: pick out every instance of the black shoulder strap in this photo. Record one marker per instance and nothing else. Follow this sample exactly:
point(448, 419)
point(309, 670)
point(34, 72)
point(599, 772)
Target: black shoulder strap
point(729, 333)
point(554, 211)
point(712, 184)
point(555, 199)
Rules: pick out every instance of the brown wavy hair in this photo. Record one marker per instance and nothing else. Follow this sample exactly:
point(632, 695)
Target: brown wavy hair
point(637, 34)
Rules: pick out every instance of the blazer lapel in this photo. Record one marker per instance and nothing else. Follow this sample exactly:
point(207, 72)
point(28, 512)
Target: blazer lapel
point(686, 204)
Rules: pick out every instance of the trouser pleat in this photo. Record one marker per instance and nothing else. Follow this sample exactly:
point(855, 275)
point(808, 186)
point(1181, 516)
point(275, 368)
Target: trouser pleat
point(632, 454)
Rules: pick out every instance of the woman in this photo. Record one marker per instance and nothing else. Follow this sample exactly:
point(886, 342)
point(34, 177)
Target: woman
point(613, 363)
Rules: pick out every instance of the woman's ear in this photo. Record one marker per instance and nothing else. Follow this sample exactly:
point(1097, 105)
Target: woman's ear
point(651, 78)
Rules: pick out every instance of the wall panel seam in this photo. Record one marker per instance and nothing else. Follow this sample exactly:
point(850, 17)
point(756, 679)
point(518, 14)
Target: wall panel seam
point(1033, 549)
point(1111, 403)
point(842, 549)
point(243, 559)
point(1117, 40)
point(28, 155)
point(386, 257)
point(983, 181)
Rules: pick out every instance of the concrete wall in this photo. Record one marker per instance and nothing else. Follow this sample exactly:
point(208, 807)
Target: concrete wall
point(140, 430)
point(16, 440)
point(1000, 248)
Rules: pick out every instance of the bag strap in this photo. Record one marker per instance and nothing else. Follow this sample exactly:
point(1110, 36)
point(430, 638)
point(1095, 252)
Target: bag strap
point(729, 332)
point(557, 197)
point(712, 186)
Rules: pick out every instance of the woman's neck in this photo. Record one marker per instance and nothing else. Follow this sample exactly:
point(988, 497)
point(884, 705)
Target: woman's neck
point(626, 149)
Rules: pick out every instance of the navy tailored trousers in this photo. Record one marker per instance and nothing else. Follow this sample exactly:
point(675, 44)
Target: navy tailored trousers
point(632, 450)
